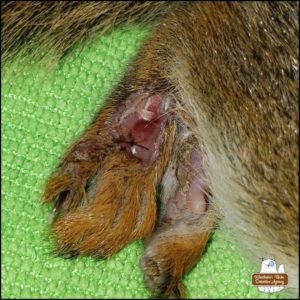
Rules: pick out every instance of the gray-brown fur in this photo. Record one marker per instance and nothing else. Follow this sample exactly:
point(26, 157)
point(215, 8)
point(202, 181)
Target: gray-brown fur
point(60, 25)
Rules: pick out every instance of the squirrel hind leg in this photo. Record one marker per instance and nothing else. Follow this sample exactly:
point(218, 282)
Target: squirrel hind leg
point(119, 187)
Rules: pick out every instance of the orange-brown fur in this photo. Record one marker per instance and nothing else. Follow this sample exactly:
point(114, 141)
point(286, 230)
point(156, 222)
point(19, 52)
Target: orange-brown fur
point(232, 71)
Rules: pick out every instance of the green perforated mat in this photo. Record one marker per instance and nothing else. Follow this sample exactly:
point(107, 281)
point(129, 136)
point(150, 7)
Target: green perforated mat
point(41, 116)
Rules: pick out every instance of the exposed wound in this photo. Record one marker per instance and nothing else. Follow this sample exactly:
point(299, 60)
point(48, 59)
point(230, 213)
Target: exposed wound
point(141, 121)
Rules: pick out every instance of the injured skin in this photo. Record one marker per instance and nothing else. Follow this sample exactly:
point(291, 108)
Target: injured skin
point(141, 120)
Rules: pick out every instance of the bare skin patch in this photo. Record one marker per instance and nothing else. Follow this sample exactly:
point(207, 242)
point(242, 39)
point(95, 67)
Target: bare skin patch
point(189, 197)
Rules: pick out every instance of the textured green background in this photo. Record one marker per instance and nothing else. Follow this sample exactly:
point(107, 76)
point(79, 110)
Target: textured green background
point(40, 118)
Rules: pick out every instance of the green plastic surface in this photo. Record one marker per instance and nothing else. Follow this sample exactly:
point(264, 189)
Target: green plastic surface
point(41, 116)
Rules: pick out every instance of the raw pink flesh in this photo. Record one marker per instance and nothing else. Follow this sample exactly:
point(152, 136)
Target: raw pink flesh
point(140, 132)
